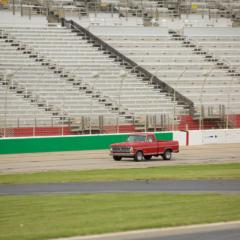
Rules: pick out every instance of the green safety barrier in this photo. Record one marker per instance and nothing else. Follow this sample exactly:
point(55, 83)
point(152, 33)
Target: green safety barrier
point(66, 143)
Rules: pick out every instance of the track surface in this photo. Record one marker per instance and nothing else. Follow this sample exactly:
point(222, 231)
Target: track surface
point(233, 234)
point(215, 231)
point(189, 186)
point(83, 160)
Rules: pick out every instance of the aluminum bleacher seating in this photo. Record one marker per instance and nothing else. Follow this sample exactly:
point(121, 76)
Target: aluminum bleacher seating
point(79, 58)
point(42, 81)
point(224, 47)
point(17, 111)
point(190, 74)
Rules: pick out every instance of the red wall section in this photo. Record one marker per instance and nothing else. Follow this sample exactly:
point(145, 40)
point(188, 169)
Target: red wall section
point(38, 131)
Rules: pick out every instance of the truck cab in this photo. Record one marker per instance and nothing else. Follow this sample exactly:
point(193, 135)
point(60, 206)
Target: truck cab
point(141, 146)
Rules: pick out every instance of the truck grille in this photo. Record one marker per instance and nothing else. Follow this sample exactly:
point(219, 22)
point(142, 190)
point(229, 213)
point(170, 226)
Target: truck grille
point(121, 149)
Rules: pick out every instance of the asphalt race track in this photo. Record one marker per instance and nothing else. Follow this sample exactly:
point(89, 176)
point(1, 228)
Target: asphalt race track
point(185, 186)
point(85, 160)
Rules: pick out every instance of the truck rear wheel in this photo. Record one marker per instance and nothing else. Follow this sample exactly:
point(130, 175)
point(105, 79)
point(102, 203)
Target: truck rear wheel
point(117, 158)
point(138, 156)
point(167, 155)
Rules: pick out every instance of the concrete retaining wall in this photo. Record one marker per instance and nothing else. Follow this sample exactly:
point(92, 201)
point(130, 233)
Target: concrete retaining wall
point(215, 136)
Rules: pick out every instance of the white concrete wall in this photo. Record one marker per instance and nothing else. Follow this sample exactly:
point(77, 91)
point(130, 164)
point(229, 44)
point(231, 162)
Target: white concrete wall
point(232, 136)
point(215, 136)
point(181, 137)
point(195, 137)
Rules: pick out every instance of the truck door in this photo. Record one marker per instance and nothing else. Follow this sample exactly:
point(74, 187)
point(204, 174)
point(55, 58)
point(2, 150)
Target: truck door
point(151, 146)
point(161, 147)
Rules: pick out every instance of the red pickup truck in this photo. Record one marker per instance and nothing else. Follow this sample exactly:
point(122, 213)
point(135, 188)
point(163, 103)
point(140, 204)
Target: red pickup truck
point(143, 145)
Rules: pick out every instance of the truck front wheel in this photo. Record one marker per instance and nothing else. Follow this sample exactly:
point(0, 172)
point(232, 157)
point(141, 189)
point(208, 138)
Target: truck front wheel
point(117, 158)
point(138, 156)
point(167, 155)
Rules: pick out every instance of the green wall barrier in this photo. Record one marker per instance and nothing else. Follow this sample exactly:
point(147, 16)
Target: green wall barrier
point(164, 136)
point(67, 143)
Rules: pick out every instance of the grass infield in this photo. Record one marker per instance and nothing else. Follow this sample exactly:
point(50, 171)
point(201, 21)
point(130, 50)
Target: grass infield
point(180, 172)
point(51, 216)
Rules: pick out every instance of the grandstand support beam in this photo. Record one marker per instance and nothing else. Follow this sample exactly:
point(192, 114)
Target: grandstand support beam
point(123, 76)
point(6, 75)
point(128, 63)
point(228, 102)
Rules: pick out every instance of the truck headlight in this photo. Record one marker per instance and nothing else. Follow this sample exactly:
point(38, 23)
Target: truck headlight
point(131, 149)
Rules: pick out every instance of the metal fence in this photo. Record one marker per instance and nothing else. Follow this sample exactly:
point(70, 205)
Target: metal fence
point(99, 124)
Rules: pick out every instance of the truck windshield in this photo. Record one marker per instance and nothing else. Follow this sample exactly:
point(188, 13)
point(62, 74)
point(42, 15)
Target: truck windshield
point(136, 138)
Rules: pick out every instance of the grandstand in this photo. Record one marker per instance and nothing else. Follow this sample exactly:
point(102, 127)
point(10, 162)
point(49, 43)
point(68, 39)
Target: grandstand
point(186, 65)
point(119, 74)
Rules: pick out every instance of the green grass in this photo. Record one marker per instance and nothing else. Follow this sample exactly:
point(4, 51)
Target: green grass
point(51, 216)
point(210, 171)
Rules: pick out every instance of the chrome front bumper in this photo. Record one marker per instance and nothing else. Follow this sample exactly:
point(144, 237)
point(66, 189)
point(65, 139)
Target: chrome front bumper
point(122, 154)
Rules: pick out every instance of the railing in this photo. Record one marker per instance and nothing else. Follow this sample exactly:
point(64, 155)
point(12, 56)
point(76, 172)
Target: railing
point(107, 124)
point(87, 124)
point(127, 8)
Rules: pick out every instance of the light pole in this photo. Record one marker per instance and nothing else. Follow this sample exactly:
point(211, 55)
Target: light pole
point(7, 79)
point(63, 104)
point(142, 8)
point(122, 75)
point(206, 75)
point(229, 92)
point(228, 102)
point(95, 75)
point(13, 7)
point(127, 11)
point(174, 95)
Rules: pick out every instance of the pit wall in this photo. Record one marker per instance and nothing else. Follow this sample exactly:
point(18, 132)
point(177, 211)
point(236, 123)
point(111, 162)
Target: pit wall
point(66, 143)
